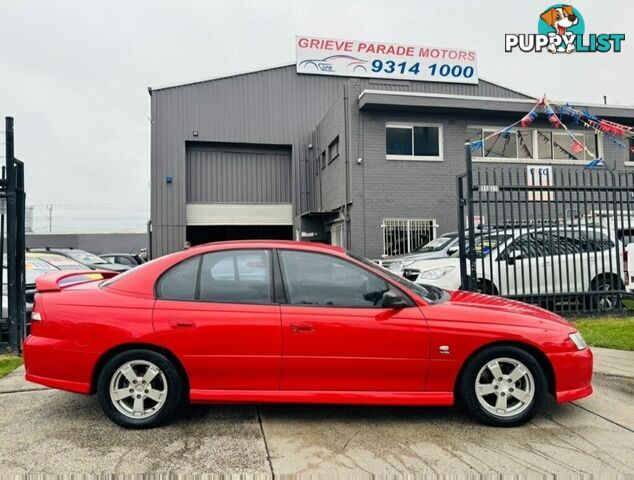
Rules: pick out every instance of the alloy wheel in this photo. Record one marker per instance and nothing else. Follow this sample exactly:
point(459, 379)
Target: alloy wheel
point(504, 387)
point(138, 389)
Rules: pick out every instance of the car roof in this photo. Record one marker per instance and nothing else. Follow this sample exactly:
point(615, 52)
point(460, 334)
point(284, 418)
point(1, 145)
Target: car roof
point(272, 244)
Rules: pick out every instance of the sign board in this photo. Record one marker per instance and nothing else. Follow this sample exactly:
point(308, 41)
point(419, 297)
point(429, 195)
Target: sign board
point(478, 221)
point(539, 176)
point(352, 58)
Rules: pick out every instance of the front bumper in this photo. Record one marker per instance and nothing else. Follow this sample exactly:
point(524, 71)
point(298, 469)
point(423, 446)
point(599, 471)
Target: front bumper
point(573, 374)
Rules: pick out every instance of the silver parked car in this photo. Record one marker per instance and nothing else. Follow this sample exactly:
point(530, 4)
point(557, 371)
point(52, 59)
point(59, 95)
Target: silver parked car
point(441, 247)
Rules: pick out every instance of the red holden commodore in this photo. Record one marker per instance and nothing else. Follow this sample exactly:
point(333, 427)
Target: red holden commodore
point(274, 321)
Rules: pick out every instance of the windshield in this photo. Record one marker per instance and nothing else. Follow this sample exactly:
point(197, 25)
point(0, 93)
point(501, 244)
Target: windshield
point(34, 268)
point(61, 262)
point(436, 245)
point(428, 293)
point(85, 257)
point(484, 244)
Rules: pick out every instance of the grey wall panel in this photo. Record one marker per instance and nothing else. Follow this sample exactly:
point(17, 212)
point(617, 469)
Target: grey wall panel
point(97, 243)
point(238, 177)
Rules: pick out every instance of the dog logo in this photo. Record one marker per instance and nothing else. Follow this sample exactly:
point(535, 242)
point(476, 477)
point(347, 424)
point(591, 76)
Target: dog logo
point(559, 21)
point(561, 29)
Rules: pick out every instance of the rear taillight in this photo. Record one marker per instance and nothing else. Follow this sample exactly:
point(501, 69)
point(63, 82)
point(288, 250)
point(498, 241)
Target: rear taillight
point(36, 315)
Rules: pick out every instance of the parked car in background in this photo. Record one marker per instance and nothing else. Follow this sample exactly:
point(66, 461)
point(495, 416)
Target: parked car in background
point(294, 322)
point(622, 223)
point(88, 259)
point(33, 268)
point(60, 262)
point(440, 247)
point(548, 260)
point(128, 259)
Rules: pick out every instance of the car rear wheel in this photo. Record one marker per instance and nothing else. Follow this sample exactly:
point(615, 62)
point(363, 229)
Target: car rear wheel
point(503, 386)
point(139, 389)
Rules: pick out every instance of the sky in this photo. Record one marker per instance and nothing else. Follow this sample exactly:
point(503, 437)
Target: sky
point(74, 74)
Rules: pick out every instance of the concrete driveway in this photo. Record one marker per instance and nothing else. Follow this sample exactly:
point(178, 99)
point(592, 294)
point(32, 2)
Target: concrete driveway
point(46, 431)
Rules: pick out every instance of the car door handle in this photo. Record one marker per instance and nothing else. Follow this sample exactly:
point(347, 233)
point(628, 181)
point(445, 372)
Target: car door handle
point(302, 328)
point(182, 323)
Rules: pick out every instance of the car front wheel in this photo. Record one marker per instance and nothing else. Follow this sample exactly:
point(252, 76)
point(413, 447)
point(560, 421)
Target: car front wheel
point(503, 386)
point(139, 389)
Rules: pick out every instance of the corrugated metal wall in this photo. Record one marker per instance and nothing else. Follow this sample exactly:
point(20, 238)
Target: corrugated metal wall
point(216, 176)
point(275, 107)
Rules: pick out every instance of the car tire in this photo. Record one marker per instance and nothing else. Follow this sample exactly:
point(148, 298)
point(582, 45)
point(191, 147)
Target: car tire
point(605, 302)
point(498, 400)
point(140, 389)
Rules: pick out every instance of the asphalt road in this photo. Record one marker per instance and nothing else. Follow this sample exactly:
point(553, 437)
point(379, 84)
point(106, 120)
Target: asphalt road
point(46, 431)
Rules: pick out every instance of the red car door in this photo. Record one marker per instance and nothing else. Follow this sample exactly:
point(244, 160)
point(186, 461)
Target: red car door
point(216, 312)
point(336, 336)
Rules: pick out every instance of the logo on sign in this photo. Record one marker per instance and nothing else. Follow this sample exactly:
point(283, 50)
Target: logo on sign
point(327, 56)
point(561, 29)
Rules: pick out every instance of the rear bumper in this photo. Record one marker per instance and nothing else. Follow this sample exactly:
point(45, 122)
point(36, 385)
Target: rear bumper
point(573, 374)
point(48, 362)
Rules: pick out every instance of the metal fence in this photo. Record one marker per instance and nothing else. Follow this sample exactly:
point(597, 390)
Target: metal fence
point(557, 237)
point(13, 326)
point(403, 235)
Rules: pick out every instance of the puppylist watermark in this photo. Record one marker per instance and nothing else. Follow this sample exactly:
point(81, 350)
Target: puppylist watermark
point(561, 29)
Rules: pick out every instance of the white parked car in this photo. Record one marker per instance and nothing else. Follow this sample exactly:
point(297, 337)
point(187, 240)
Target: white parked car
point(536, 261)
point(441, 247)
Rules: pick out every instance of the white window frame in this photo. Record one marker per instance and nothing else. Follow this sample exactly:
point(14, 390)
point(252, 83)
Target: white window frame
point(535, 140)
point(628, 144)
point(412, 157)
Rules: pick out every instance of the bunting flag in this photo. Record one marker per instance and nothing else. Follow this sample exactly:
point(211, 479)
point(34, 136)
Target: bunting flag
point(594, 164)
point(576, 146)
point(614, 131)
point(477, 145)
point(528, 118)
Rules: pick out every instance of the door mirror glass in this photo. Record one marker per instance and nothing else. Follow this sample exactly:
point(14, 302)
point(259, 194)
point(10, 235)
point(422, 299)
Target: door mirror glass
point(393, 299)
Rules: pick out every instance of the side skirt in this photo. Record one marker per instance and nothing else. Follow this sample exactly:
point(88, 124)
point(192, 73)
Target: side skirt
point(326, 397)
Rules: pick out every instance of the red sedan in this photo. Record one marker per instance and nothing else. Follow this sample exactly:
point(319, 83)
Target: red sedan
point(273, 321)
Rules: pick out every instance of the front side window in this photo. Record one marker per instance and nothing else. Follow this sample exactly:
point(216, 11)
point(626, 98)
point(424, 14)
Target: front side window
point(530, 245)
point(318, 279)
point(236, 276)
point(413, 142)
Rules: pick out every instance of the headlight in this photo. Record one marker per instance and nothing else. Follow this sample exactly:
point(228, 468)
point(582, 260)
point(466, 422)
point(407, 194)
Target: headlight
point(578, 340)
point(436, 273)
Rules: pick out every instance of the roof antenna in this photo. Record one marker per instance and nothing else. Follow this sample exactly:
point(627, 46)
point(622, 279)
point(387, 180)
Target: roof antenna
point(605, 99)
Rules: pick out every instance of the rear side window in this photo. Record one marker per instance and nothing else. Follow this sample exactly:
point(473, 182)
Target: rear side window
point(179, 283)
point(236, 276)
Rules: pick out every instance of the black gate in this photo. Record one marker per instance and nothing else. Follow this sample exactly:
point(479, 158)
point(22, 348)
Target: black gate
point(554, 236)
point(13, 323)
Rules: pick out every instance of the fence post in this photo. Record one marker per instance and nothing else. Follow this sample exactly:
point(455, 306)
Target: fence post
point(14, 342)
point(470, 220)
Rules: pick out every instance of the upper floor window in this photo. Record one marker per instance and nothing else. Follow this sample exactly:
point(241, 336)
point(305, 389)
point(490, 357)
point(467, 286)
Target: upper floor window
point(413, 141)
point(333, 150)
point(537, 144)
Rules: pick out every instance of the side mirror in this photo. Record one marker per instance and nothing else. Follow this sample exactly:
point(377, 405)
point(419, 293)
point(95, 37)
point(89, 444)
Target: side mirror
point(452, 250)
point(513, 256)
point(393, 299)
